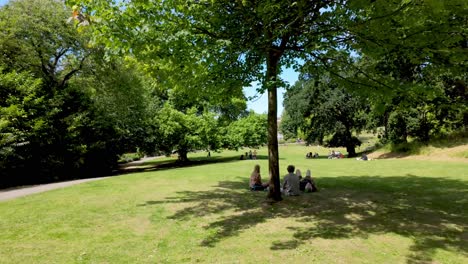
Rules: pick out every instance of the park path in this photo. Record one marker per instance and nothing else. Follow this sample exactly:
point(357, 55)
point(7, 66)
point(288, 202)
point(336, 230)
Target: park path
point(9, 194)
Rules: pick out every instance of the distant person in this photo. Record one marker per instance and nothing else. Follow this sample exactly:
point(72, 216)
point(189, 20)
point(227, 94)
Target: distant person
point(242, 157)
point(309, 155)
point(316, 155)
point(337, 154)
point(332, 155)
point(254, 155)
point(256, 180)
point(291, 183)
point(363, 157)
point(250, 154)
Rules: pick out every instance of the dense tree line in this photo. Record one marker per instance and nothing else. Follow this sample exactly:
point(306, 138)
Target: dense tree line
point(65, 111)
point(408, 59)
point(69, 108)
point(424, 105)
point(406, 94)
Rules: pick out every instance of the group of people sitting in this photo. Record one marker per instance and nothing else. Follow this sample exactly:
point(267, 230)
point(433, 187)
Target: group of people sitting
point(312, 156)
point(335, 155)
point(249, 155)
point(292, 184)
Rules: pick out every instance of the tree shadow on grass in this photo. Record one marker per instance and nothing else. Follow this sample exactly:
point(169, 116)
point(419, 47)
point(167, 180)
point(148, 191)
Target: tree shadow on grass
point(430, 211)
point(163, 164)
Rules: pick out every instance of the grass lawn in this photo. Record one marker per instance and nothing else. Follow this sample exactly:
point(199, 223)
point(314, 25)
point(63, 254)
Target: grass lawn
point(381, 211)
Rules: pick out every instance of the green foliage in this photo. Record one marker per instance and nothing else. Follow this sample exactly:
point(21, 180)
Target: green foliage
point(19, 101)
point(387, 50)
point(250, 131)
point(322, 108)
point(65, 112)
point(288, 127)
point(36, 37)
point(128, 157)
point(185, 131)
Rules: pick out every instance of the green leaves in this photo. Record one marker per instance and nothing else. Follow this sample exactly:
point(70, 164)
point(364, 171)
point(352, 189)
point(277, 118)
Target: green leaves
point(250, 131)
point(320, 107)
point(186, 131)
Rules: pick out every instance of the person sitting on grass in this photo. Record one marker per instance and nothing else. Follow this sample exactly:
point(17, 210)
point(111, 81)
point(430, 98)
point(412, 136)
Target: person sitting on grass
point(363, 157)
point(308, 184)
point(291, 182)
point(256, 180)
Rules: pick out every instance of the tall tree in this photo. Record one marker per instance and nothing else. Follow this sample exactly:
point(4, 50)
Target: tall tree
point(186, 131)
point(64, 111)
point(36, 37)
point(321, 108)
point(241, 41)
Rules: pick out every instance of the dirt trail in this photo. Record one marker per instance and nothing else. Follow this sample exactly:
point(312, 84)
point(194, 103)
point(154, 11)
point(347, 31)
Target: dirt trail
point(9, 194)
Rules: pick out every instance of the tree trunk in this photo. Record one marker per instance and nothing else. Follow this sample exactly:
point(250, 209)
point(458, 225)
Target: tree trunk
point(182, 156)
point(351, 151)
point(273, 165)
point(350, 146)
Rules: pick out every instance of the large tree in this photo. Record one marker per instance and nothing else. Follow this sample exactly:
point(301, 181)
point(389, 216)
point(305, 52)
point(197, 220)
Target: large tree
point(321, 108)
point(249, 131)
point(237, 41)
point(64, 111)
point(192, 43)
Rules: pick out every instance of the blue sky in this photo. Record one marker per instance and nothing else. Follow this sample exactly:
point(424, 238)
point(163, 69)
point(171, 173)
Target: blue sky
point(260, 104)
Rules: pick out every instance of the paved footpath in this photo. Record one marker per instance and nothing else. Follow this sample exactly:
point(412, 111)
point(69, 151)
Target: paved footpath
point(9, 194)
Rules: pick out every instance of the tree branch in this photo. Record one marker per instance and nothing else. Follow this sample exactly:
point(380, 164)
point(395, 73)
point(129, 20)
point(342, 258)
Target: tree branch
point(329, 69)
point(71, 73)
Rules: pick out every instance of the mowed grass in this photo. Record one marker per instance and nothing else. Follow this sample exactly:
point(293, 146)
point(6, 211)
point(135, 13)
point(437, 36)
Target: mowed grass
point(380, 211)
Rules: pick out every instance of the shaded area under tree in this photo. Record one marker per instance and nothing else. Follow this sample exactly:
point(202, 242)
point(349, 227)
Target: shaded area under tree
point(430, 211)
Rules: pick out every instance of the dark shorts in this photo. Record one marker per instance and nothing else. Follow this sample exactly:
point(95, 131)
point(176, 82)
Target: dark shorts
point(257, 188)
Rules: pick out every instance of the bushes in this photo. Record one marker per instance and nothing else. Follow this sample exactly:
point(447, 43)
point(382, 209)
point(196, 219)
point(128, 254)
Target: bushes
point(50, 138)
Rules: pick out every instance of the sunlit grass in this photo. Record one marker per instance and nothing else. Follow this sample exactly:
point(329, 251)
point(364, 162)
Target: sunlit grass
point(381, 211)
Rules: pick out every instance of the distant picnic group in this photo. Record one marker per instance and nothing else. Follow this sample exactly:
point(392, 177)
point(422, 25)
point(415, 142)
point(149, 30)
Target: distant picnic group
point(249, 155)
point(335, 155)
point(311, 155)
point(292, 185)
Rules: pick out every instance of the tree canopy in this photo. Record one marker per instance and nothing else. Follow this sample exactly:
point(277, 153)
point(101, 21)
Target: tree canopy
point(65, 112)
point(198, 45)
point(321, 108)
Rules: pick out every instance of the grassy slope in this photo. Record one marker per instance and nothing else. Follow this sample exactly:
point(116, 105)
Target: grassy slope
point(450, 148)
point(383, 211)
